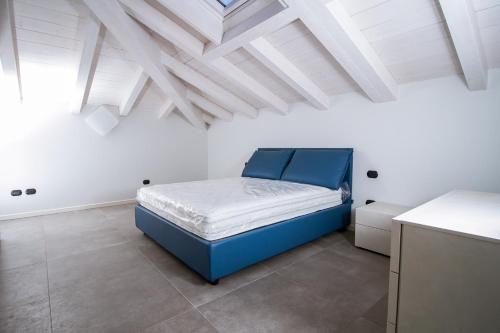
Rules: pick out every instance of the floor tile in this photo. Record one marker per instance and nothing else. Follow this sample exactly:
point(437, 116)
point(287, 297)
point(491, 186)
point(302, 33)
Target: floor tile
point(31, 317)
point(104, 275)
point(76, 232)
point(23, 285)
point(21, 243)
point(378, 312)
point(275, 304)
point(136, 236)
point(331, 239)
point(21, 255)
point(323, 274)
point(349, 235)
point(114, 290)
point(372, 290)
point(75, 221)
point(124, 219)
point(292, 256)
point(65, 244)
point(372, 261)
point(192, 285)
point(362, 325)
point(125, 224)
point(121, 211)
point(189, 322)
point(94, 265)
point(327, 274)
point(158, 255)
point(21, 231)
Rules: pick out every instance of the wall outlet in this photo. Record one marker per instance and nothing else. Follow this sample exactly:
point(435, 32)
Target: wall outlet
point(16, 193)
point(146, 182)
point(30, 191)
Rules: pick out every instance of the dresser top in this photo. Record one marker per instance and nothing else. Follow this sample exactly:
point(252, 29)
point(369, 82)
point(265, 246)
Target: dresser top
point(467, 213)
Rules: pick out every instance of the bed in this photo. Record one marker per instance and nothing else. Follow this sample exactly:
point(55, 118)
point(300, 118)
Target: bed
point(286, 197)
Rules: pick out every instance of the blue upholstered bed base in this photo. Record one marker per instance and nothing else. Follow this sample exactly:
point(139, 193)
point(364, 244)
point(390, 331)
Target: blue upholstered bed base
point(219, 258)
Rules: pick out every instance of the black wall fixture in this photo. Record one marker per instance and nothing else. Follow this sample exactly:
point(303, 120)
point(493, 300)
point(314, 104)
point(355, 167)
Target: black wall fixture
point(372, 174)
point(146, 182)
point(16, 193)
point(369, 202)
point(30, 191)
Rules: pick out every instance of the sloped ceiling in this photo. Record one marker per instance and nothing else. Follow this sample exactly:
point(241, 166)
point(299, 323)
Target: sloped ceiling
point(411, 38)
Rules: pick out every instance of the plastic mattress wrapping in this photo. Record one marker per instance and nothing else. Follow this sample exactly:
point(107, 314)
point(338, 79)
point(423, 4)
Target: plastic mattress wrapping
point(346, 191)
point(214, 209)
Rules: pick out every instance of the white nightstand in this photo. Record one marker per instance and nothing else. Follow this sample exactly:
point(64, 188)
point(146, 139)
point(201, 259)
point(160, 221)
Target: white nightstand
point(373, 226)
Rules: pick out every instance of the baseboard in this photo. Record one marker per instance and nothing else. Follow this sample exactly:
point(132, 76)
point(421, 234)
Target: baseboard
point(65, 209)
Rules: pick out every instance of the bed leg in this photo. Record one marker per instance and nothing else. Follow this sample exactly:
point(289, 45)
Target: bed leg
point(214, 282)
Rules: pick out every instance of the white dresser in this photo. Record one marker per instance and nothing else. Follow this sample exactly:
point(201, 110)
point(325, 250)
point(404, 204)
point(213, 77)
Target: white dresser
point(373, 226)
point(445, 266)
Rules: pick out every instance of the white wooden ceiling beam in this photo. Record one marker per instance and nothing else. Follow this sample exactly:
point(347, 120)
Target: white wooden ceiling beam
point(267, 20)
point(209, 107)
point(199, 16)
point(462, 24)
point(175, 34)
point(236, 75)
point(275, 61)
point(221, 95)
point(88, 63)
point(168, 29)
point(8, 51)
point(334, 28)
point(166, 109)
point(207, 118)
point(137, 86)
point(164, 27)
point(145, 52)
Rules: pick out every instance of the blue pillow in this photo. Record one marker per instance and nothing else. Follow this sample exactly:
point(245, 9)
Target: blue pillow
point(267, 164)
point(325, 168)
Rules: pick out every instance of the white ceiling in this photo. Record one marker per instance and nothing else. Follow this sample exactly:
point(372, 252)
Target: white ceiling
point(409, 36)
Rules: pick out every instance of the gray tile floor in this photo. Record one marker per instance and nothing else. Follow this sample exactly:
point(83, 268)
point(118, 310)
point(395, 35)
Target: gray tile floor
point(93, 271)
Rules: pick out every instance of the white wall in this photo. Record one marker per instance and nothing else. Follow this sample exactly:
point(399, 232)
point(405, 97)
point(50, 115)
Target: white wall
point(70, 165)
point(438, 136)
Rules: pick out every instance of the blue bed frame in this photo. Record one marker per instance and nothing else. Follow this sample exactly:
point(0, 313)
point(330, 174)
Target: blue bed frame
point(216, 259)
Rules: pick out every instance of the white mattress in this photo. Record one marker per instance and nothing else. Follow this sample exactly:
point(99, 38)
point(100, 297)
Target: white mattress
point(214, 209)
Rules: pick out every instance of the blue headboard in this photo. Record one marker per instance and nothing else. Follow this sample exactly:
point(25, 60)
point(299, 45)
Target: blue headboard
point(348, 174)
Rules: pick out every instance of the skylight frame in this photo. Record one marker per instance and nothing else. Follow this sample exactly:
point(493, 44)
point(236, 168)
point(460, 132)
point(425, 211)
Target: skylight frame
point(225, 12)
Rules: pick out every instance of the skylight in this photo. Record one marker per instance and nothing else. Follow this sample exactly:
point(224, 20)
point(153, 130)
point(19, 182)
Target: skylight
point(227, 3)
